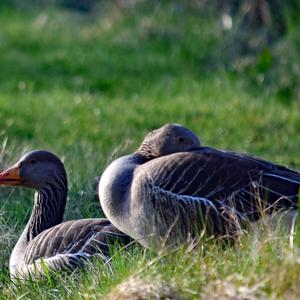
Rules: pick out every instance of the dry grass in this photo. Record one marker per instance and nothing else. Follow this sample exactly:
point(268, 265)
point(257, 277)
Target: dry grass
point(135, 288)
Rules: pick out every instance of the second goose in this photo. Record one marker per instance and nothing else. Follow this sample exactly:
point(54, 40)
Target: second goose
point(173, 189)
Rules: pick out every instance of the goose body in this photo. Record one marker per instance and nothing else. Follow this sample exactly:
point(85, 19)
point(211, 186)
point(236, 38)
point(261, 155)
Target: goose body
point(46, 241)
point(191, 189)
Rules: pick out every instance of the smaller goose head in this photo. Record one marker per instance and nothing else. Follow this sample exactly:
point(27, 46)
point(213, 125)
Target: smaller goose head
point(35, 169)
point(168, 139)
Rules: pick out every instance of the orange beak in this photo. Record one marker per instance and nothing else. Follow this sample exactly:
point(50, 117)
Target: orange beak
point(11, 176)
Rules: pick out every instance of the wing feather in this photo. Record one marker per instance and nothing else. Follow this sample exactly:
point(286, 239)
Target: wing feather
point(74, 239)
point(239, 181)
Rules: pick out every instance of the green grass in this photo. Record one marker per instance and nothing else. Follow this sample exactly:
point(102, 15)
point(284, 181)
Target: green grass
point(89, 87)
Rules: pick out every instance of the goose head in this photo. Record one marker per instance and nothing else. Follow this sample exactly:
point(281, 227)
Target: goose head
point(35, 169)
point(168, 139)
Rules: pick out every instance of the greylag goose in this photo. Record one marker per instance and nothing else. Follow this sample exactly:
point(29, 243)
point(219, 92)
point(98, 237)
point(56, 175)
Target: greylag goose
point(172, 188)
point(46, 240)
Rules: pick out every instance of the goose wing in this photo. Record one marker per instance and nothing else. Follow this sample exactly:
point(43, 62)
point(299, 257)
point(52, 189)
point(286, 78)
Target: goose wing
point(68, 245)
point(243, 182)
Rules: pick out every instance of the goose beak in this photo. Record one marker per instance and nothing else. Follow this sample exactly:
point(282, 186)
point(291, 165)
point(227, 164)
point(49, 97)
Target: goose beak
point(11, 176)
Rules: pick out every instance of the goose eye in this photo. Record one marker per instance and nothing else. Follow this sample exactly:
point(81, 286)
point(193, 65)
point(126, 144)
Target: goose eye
point(180, 139)
point(33, 161)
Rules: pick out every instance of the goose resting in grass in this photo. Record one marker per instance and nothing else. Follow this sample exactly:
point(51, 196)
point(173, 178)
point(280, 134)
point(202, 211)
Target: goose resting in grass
point(45, 240)
point(173, 189)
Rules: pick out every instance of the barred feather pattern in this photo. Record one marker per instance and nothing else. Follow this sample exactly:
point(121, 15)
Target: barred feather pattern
point(211, 191)
point(49, 207)
point(70, 245)
point(172, 217)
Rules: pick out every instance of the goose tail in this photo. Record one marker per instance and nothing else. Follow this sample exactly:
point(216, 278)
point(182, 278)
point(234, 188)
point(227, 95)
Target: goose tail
point(283, 186)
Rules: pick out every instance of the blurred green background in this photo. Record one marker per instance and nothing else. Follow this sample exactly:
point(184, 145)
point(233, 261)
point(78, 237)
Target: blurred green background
point(79, 70)
point(88, 79)
point(95, 73)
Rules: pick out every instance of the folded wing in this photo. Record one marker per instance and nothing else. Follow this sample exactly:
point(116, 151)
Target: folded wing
point(225, 188)
point(70, 244)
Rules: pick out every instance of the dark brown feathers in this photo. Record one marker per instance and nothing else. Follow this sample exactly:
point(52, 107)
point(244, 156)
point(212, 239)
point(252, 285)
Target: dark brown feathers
point(243, 182)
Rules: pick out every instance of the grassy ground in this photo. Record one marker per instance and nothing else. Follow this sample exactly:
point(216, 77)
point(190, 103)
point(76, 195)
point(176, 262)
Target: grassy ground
point(89, 87)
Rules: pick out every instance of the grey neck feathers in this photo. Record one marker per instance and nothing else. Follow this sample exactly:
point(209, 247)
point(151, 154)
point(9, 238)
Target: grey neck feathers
point(49, 206)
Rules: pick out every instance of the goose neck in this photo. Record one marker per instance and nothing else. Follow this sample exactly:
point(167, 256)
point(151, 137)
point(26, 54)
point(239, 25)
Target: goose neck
point(48, 210)
point(115, 183)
